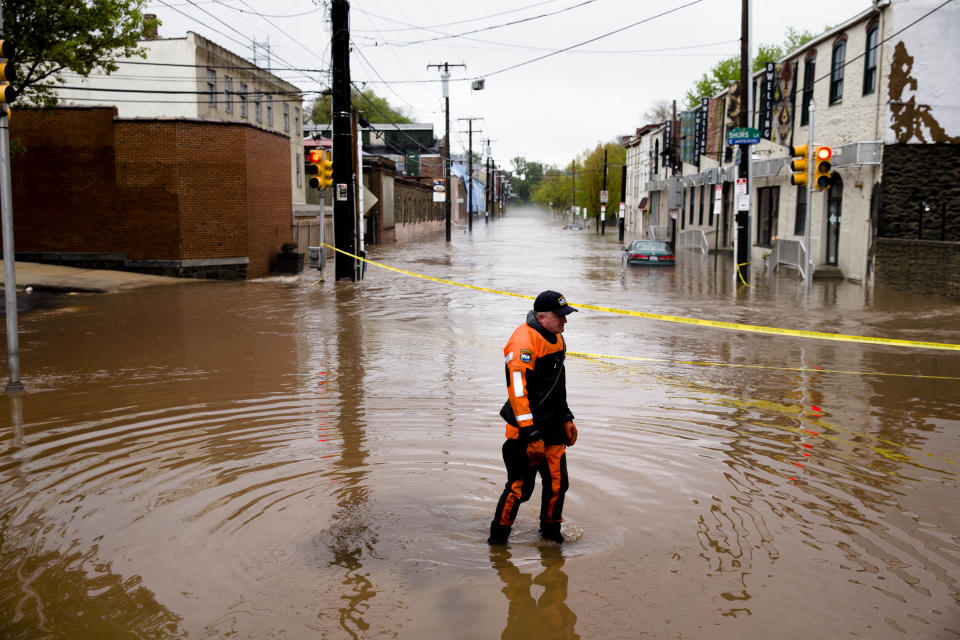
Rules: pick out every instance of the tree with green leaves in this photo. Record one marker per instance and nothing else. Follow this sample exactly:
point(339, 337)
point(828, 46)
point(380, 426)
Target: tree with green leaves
point(374, 108)
point(727, 71)
point(554, 187)
point(590, 177)
point(81, 36)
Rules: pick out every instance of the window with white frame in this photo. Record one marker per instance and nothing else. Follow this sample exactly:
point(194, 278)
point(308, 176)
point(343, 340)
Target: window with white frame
point(243, 101)
point(269, 111)
point(257, 111)
point(286, 117)
point(211, 88)
point(228, 94)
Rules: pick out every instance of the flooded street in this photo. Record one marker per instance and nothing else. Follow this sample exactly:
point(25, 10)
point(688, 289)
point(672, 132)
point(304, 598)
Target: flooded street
point(291, 459)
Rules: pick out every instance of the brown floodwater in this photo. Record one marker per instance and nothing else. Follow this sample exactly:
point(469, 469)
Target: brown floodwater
point(296, 459)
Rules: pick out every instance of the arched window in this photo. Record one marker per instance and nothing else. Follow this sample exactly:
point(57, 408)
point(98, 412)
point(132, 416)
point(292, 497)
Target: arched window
point(836, 70)
point(809, 69)
point(870, 60)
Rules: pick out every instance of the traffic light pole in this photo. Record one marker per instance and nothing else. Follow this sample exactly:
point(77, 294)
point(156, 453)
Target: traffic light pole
point(9, 258)
point(808, 268)
point(742, 253)
point(344, 222)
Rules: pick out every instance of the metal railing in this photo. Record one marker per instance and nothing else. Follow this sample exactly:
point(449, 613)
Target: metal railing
point(658, 232)
point(791, 253)
point(693, 239)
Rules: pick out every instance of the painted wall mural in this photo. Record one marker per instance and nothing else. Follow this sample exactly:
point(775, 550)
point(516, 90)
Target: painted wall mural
point(924, 98)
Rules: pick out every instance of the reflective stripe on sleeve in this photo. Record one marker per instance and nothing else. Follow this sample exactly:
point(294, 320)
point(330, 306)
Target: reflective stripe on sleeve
point(509, 357)
point(526, 416)
point(517, 384)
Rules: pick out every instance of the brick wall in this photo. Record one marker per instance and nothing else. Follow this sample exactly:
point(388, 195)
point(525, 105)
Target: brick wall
point(918, 173)
point(63, 180)
point(269, 201)
point(149, 191)
point(926, 267)
point(146, 190)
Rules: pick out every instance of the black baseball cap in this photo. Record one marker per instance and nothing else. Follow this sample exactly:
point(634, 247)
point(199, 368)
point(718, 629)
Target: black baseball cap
point(552, 301)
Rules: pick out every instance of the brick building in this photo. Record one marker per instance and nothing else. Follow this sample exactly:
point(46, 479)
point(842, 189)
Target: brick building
point(154, 196)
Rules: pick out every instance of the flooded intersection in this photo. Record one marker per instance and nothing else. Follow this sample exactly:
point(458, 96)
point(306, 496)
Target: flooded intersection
point(296, 459)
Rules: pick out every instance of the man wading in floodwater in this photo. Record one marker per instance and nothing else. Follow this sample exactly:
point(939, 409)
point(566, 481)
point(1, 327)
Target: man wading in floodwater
point(539, 423)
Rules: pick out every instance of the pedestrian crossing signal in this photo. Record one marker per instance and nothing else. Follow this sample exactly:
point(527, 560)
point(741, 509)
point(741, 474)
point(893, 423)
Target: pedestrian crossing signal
point(821, 167)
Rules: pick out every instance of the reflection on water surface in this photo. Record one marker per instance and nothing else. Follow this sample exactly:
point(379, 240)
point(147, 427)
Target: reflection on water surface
point(278, 459)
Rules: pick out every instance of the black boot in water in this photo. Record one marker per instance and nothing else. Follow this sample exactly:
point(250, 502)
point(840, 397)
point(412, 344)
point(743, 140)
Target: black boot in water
point(498, 534)
point(551, 531)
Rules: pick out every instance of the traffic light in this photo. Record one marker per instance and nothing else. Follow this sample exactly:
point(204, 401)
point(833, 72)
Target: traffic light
point(326, 170)
point(799, 164)
point(7, 94)
point(821, 167)
point(312, 167)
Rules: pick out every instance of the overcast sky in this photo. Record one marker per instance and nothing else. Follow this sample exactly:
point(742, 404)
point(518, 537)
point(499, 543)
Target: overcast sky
point(548, 110)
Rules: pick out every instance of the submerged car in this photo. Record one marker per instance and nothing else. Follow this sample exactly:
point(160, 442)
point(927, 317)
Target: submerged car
point(646, 252)
point(572, 227)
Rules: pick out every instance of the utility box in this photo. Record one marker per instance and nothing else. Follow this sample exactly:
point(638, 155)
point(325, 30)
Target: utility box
point(316, 258)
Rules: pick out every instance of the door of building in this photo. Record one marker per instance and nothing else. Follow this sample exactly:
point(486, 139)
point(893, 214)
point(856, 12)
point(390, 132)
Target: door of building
point(834, 209)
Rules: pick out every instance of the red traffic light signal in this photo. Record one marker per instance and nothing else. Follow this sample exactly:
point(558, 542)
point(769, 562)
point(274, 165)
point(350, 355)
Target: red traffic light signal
point(821, 167)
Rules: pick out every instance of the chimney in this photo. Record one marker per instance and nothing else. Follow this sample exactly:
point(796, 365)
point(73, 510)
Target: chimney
point(150, 27)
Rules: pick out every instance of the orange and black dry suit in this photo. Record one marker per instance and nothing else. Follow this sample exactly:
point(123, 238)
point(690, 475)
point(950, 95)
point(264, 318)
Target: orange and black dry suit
point(536, 409)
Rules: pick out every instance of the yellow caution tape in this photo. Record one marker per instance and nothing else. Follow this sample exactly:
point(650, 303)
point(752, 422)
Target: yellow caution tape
point(740, 274)
point(716, 324)
point(600, 356)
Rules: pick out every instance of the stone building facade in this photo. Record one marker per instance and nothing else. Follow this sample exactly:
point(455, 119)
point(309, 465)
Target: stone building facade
point(878, 90)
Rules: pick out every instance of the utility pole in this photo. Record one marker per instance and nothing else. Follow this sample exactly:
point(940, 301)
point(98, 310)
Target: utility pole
point(623, 200)
point(445, 75)
point(489, 199)
point(742, 254)
point(344, 221)
point(9, 258)
point(602, 218)
point(470, 169)
point(673, 172)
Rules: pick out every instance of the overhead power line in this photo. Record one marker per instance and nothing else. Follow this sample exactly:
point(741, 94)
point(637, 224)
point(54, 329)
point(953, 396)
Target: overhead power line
point(413, 27)
point(496, 26)
point(558, 51)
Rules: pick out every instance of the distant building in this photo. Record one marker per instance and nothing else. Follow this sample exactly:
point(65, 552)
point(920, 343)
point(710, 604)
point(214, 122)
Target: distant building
point(404, 144)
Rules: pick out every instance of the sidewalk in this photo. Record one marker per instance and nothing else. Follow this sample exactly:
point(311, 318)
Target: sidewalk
point(56, 278)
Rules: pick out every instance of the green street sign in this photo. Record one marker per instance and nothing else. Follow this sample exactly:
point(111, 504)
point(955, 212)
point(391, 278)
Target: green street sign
point(743, 135)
